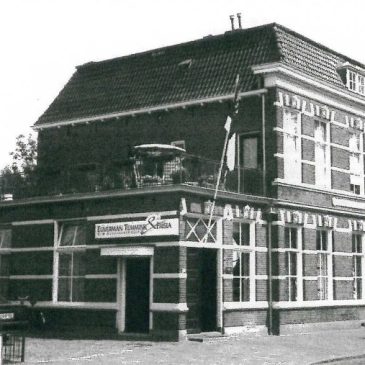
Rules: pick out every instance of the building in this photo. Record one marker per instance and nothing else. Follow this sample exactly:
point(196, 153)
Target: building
point(116, 235)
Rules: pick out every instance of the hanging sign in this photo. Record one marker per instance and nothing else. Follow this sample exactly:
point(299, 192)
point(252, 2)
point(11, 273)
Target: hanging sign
point(152, 226)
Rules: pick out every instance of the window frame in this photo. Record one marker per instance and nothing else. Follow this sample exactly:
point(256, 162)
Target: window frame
point(180, 144)
point(292, 159)
point(355, 81)
point(291, 253)
point(356, 168)
point(241, 138)
point(76, 225)
point(4, 234)
point(322, 147)
point(357, 255)
point(72, 250)
point(71, 277)
point(324, 261)
point(239, 251)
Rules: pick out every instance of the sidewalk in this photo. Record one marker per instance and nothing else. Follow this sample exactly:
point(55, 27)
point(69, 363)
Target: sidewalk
point(242, 349)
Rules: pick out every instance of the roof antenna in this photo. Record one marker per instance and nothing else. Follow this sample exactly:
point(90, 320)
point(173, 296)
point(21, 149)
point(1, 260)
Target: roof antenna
point(239, 20)
point(232, 21)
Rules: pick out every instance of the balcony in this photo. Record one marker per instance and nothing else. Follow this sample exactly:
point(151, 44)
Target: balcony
point(148, 167)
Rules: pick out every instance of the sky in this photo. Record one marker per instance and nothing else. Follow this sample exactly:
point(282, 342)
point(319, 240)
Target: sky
point(41, 41)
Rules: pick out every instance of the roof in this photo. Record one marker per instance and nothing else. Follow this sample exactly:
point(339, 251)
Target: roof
point(205, 68)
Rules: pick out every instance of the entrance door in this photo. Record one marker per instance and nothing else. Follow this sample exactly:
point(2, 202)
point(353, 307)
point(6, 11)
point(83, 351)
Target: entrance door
point(137, 295)
point(208, 313)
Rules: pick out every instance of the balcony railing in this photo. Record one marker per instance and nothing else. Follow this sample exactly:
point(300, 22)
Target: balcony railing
point(139, 173)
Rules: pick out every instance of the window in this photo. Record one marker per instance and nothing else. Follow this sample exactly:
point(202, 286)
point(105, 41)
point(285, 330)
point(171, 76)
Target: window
point(361, 84)
point(243, 270)
point(322, 264)
point(292, 147)
point(250, 152)
point(241, 277)
point(4, 265)
point(71, 264)
point(355, 82)
point(72, 235)
point(291, 261)
point(241, 234)
point(321, 154)
point(249, 161)
point(356, 170)
point(71, 277)
point(180, 144)
point(352, 80)
point(5, 238)
point(357, 260)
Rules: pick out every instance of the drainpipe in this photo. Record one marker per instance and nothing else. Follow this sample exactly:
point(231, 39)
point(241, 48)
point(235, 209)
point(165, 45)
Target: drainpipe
point(263, 146)
point(269, 265)
point(1, 348)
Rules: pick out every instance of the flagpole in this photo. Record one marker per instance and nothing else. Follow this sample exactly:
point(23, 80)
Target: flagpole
point(235, 99)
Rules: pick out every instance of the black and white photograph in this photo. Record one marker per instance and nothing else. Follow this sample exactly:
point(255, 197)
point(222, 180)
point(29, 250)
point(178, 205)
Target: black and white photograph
point(182, 182)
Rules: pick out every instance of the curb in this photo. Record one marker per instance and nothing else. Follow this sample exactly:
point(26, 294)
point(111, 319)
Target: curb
point(339, 359)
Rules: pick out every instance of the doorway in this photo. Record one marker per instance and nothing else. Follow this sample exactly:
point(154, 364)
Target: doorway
point(208, 313)
point(137, 298)
point(201, 291)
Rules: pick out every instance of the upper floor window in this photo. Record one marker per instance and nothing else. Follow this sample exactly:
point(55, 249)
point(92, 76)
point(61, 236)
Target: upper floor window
point(249, 146)
point(355, 82)
point(292, 147)
point(322, 168)
point(5, 238)
point(356, 169)
point(180, 144)
point(249, 161)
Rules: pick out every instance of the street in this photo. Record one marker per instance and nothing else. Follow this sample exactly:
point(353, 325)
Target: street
point(243, 349)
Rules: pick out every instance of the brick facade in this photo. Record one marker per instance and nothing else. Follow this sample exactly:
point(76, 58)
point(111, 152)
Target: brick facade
point(286, 242)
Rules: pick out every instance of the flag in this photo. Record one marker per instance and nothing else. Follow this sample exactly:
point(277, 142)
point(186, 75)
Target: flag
point(231, 144)
point(231, 152)
point(227, 126)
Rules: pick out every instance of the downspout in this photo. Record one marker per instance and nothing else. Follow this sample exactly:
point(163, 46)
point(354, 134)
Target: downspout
point(269, 268)
point(263, 145)
point(269, 221)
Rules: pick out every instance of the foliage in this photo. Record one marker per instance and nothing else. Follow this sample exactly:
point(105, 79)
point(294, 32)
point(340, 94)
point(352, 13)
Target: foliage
point(19, 177)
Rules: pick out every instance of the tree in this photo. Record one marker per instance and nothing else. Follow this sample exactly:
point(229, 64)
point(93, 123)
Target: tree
point(19, 177)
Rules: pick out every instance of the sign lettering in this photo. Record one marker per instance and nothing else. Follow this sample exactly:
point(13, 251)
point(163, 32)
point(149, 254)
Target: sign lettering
point(152, 226)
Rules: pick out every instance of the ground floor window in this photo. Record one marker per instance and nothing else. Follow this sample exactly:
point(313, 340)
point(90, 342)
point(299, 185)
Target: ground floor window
point(322, 264)
point(241, 277)
point(357, 260)
point(71, 277)
point(243, 261)
point(291, 261)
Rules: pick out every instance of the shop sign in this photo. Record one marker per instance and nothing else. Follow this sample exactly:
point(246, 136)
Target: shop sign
point(152, 226)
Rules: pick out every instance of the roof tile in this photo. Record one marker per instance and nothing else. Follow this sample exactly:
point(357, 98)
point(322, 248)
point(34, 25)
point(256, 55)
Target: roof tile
point(165, 76)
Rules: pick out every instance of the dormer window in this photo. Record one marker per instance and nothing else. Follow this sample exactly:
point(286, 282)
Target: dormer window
point(355, 82)
point(353, 76)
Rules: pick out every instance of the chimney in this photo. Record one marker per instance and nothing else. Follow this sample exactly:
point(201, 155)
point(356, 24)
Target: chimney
point(232, 21)
point(239, 20)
